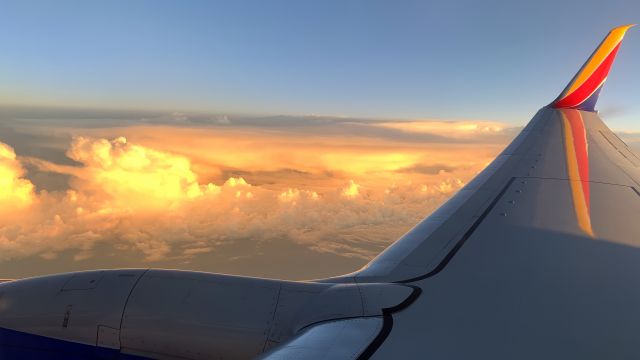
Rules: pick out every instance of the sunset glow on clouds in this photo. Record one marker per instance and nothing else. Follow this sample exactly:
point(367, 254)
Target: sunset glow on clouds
point(133, 176)
point(15, 191)
point(172, 194)
point(457, 129)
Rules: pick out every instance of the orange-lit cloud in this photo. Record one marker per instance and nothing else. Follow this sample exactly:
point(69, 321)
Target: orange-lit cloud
point(215, 152)
point(455, 129)
point(15, 191)
point(133, 176)
point(174, 193)
point(352, 190)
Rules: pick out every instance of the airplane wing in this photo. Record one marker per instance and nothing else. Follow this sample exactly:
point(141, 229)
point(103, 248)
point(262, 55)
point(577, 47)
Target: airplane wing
point(565, 142)
point(538, 256)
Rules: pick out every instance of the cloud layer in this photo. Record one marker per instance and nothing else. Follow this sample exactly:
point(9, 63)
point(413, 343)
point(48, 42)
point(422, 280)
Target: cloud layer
point(176, 194)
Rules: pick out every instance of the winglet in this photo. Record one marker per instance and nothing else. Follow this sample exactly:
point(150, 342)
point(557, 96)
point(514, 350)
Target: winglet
point(583, 90)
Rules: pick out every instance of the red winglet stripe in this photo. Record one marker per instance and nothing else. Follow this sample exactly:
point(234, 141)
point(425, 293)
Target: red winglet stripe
point(582, 152)
point(590, 85)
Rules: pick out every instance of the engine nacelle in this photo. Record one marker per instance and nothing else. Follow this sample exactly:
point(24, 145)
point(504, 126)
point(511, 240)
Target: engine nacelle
point(167, 314)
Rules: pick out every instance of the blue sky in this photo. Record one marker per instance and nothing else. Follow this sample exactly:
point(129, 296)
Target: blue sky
point(493, 60)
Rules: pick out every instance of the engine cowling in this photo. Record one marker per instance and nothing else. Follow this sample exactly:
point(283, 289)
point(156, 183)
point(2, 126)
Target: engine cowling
point(168, 314)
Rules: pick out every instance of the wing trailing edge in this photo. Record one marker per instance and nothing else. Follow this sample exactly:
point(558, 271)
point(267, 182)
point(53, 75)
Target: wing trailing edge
point(583, 90)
